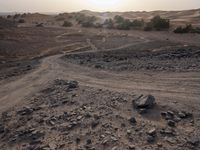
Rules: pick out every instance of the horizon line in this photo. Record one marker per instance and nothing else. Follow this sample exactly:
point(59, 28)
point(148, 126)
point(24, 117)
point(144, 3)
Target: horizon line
point(96, 11)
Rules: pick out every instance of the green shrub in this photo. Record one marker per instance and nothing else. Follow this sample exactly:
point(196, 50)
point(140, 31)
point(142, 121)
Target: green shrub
point(88, 21)
point(9, 16)
point(118, 19)
point(124, 25)
point(60, 18)
point(148, 27)
point(187, 29)
point(137, 23)
point(67, 24)
point(98, 25)
point(159, 23)
point(108, 23)
point(16, 16)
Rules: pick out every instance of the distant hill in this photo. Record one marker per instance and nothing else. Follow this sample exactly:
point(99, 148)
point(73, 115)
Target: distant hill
point(176, 17)
point(52, 19)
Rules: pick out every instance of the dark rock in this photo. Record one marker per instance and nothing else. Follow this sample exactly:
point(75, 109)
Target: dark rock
point(94, 123)
point(171, 123)
point(150, 139)
point(182, 115)
point(144, 101)
point(152, 132)
point(168, 131)
point(163, 114)
point(72, 84)
point(78, 140)
point(132, 120)
point(177, 119)
point(194, 142)
point(2, 129)
point(89, 141)
point(25, 111)
point(27, 134)
point(170, 113)
point(131, 147)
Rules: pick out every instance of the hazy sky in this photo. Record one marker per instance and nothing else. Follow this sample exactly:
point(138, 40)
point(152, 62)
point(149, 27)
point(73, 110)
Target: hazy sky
point(96, 5)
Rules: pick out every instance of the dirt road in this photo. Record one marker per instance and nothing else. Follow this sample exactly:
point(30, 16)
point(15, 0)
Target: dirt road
point(181, 87)
point(168, 86)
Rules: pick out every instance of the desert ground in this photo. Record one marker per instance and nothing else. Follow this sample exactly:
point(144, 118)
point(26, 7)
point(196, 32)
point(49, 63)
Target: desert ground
point(84, 88)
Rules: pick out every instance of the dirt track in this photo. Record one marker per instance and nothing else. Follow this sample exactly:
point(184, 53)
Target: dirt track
point(177, 90)
point(180, 86)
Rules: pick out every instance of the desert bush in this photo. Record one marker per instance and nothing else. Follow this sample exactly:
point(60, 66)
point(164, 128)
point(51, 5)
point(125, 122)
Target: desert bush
point(187, 29)
point(159, 23)
point(98, 25)
point(195, 30)
point(16, 16)
point(21, 21)
point(137, 23)
point(79, 17)
point(9, 16)
point(23, 15)
point(60, 18)
point(148, 27)
point(108, 23)
point(67, 24)
point(88, 21)
point(124, 25)
point(118, 19)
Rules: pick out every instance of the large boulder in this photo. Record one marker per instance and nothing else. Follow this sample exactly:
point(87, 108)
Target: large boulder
point(144, 101)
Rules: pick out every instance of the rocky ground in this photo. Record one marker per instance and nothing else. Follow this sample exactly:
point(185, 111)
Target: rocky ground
point(68, 116)
point(8, 70)
point(139, 57)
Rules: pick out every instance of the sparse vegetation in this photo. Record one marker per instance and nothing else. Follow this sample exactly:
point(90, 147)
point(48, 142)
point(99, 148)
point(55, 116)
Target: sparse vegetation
point(108, 23)
point(16, 16)
point(9, 16)
point(124, 25)
point(187, 29)
point(60, 18)
point(137, 23)
point(67, 24)
point(89, 21)
point(159, 23)
point(148, 26)
point(21, 21)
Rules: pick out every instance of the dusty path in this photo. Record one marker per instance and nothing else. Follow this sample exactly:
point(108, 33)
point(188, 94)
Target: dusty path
point(182, 87)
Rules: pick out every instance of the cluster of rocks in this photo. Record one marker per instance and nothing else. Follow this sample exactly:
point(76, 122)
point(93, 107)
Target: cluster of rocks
point(16, 68)
point(174, 117)
point(178, 59)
